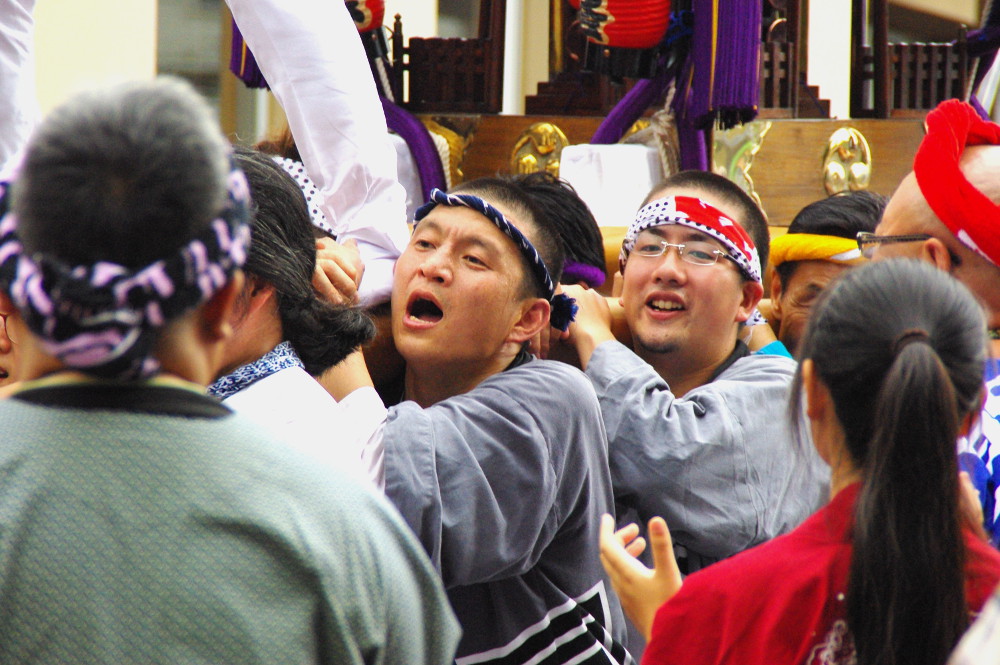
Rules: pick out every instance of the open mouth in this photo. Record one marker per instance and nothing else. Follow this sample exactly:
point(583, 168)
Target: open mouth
point(425, 310)
point(664, 305)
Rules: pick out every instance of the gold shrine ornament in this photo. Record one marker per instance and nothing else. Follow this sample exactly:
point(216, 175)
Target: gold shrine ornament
point(847, 164)
point(539, 148)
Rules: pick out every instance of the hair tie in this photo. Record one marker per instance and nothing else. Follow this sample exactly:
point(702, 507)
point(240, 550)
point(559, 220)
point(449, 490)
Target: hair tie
point(908, 337)
point(563, 307)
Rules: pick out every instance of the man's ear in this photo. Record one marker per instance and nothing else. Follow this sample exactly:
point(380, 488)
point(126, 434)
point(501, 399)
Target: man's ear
point(534, 317)
point(752, 293)
point(936, 253)
point(216, 314)
point(776, 291)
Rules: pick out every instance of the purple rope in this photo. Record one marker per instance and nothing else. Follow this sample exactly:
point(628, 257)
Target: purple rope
point(425, 153)
point(630, 108)
point(690, 139)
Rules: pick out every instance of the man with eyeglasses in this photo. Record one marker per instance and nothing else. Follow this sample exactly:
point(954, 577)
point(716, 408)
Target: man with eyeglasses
point(947, 212)
point(696, 423)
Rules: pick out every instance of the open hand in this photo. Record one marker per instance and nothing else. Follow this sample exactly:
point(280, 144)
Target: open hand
point(640, 589)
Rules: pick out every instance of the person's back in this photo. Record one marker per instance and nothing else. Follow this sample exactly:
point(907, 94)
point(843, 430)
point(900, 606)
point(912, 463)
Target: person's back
point(184, 536)
point(140, 520)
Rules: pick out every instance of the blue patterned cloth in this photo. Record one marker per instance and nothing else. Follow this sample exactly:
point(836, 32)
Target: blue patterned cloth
point(280, 357)
point(979, 452)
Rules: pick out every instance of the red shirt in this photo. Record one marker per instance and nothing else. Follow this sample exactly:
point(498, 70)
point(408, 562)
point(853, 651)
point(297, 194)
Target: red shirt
point(783, 601)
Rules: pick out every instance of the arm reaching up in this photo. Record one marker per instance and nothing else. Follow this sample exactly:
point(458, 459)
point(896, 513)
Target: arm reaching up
point(311, 55)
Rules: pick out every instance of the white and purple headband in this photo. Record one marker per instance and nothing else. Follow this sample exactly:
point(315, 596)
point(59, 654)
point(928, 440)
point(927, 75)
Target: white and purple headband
point(563, 307)
point(99, 318)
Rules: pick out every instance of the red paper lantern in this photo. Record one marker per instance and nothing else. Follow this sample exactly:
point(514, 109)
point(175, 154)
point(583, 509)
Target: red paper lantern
point(368, 15)
point(638, 24)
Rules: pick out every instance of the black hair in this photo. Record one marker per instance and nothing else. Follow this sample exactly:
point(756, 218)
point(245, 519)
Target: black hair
point(749, 215)
point(844, 215)
point(511, 197)
point(563, 209)
point(900, 346)
point(283, 254)
point(127, 174)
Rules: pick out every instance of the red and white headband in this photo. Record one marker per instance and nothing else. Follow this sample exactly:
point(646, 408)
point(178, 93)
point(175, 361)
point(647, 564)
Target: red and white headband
point(700, 216)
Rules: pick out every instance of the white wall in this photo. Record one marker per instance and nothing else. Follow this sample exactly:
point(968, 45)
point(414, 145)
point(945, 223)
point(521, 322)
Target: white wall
point(80, 43)
point(420, 17)
point(962, 11)
point(829, 53)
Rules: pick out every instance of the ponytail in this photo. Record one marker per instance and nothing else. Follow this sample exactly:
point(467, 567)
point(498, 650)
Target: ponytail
point(906, 592)
point(283, 255)
point(901, 347)
point(323, 334)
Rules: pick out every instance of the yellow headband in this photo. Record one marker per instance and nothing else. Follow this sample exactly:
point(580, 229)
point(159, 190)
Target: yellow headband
point(809, 247)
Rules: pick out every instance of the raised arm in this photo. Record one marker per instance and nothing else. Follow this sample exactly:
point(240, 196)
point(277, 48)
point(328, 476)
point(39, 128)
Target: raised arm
point(18, 107)
point(311, 55)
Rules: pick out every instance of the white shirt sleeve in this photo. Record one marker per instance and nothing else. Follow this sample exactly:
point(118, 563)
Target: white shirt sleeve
point(18, 105)
point(311, 55)
point(364, 418)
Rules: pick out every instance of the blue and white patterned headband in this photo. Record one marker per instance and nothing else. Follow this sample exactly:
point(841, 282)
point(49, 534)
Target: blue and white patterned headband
point(563, 307)
point(99, 318)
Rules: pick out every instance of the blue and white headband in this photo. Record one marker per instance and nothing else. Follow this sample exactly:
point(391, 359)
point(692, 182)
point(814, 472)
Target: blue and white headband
point(563, 307)
point(99, 318)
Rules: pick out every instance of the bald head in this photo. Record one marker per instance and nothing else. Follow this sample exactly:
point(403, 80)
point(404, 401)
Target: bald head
point(980, 165)
point(909, 213)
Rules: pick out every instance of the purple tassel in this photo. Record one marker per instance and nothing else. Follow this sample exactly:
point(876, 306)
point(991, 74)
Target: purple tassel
point(243, 64)
point(422, 147)
point(725, 51)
